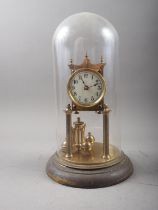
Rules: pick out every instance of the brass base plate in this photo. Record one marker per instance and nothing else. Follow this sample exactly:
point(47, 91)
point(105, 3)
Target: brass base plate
point(92, 160)
point(85, 178)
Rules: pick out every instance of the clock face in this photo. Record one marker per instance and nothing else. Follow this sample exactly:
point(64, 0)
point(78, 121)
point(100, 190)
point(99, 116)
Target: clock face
point(86, 87)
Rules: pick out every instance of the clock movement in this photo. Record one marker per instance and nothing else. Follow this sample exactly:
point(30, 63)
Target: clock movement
point(87, 114)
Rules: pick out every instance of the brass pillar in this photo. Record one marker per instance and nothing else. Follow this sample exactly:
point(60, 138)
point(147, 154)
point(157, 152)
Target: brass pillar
point(68, 113)
point(106, 111)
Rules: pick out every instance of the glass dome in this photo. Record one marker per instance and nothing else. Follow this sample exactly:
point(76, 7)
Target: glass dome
point(86, 37)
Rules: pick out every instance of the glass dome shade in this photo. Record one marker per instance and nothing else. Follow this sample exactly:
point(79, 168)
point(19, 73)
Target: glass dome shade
point(86, 39)
point(86, 106)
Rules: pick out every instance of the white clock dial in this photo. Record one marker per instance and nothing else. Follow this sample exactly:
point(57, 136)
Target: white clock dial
point(86, 87)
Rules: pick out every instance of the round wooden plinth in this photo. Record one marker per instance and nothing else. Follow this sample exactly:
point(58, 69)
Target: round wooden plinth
point(83, 178)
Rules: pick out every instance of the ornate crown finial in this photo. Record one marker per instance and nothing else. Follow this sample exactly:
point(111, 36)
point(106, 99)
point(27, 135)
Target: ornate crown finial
point(87, 64)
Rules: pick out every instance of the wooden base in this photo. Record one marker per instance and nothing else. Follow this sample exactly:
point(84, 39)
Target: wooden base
point(95, 178)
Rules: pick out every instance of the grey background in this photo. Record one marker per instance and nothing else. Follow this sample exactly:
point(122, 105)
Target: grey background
point(26, 104)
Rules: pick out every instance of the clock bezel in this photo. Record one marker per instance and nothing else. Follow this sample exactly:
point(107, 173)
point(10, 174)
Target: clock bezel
point(88, 105)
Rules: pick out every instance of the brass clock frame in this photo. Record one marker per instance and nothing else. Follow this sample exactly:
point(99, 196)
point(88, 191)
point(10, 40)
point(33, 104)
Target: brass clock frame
point(82, 162)
point(83, 106)
point(98, 68)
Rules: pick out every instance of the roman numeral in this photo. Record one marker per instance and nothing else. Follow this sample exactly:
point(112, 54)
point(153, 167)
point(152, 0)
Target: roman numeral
point(75, 94)
point(75, 81)
point(85, 75)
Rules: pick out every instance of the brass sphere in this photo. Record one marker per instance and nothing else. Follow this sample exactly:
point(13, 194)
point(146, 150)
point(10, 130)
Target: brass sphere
point(90, 138)
point(86, 146)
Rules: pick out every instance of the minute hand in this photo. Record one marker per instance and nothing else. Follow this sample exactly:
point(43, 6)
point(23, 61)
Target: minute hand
point(93, 85)
point(82, 80)
point(85, 86)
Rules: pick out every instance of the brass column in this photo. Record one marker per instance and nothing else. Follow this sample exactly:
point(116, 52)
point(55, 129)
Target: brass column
point(106, 111)
point(68, 112)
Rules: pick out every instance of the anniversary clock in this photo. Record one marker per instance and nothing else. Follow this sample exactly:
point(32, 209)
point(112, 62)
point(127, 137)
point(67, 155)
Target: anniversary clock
point(86, 104)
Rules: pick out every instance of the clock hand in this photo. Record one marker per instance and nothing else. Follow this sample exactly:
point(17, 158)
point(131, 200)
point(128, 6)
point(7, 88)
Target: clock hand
point(93, 85)
point(82, 80)
point(85, 86)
